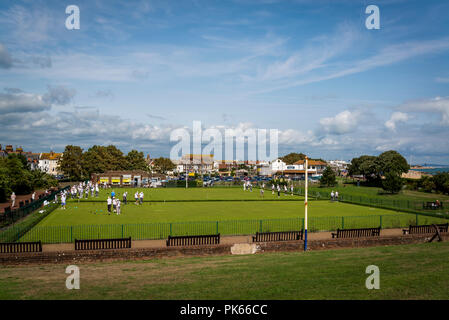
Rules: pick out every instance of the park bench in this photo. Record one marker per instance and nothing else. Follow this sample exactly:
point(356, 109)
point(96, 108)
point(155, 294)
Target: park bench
point(357, 233)
point(20, 247)
point(193, 240)
point(278, 236)
point(425, 229)
point(432, 205)
point(101, 244)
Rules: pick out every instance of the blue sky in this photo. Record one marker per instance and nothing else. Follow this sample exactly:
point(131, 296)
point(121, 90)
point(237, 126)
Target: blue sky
point(136, 70)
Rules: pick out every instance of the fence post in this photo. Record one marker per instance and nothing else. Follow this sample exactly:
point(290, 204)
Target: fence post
point(417, 220)
point(217, 228)
point(302, 223)
point(122, 230)
point(342, 222)
point(260, 226)
point(71, 233)
point(381, 221)
point(170, 228)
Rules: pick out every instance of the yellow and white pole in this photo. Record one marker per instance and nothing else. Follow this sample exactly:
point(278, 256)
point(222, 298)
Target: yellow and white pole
point(305, 202)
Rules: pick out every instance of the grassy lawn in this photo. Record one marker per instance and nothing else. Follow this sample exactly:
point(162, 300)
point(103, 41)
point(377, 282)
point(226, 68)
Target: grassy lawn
point(157, 220)
point(214, 193)
point(96, 213)
point(379, 193)
point(406, 272)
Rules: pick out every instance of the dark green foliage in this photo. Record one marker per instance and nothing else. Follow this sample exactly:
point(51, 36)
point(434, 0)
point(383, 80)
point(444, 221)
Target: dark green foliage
point(163, 164)
point(328, 178)
point(15, 175)
point(71, 163)
point(392, 182)
point(293, 157)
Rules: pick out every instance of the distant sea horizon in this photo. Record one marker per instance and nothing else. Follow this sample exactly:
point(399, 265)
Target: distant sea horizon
point(435, 169)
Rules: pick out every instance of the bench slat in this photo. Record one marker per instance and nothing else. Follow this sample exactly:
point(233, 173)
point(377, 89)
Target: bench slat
point(103, 244)
point(193, 240)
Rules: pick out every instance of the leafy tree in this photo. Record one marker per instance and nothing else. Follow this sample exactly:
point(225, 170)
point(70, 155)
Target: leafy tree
point(392, 182)
point(135, 160)
point(364, 165)
point(5, 189)
point(392, 161)
point(163, 165)
point(19, 177)
point(328, 178)
point(293, 157)
point(71, 162)
point(427, 184)
point(441, 181)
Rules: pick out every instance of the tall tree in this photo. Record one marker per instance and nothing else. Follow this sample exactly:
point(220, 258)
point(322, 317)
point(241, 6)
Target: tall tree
point(392, 182)
point(135, 160)
point(392, 161)
point(71, 162)
point(163, 165)
point(328, 178)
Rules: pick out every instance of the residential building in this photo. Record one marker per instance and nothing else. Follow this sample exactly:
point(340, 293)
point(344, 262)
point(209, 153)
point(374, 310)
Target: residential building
point(48, 163)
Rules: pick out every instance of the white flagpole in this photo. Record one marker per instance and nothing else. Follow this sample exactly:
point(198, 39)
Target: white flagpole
point(305, 204)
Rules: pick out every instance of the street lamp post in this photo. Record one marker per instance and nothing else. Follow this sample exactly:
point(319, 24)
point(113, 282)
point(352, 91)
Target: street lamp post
point(305, 205)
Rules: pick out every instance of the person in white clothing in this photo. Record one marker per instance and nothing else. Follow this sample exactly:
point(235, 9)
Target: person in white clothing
point(109, 201)
point(118, 206)
point(141, 197)
point(13, 199)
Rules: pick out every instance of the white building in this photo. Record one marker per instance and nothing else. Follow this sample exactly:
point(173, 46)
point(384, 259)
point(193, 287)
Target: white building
point(48, 163)
point(278, 165)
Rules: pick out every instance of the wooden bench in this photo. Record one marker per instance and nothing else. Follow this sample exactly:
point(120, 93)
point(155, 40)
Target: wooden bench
point(20, 247)
point(357, 233)
point(278, 236)
point(193, 240)
point(425, 229)
point(102, 244)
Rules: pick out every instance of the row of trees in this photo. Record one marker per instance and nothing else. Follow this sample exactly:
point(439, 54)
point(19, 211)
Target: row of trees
point(77, 164)
point(437, 183)
point(16, 176)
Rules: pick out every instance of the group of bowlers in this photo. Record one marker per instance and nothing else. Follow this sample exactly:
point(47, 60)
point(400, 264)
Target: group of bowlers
point(114, 204)
point(247, 185)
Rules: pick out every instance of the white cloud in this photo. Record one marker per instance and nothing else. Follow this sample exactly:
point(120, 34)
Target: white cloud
point(395, 118)
point(344, 122)
point(439, 105)
point(20, 102)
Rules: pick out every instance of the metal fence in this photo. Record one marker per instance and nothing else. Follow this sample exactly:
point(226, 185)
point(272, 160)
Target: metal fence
point(153, 231)
point(396, 204)
point(13, 216)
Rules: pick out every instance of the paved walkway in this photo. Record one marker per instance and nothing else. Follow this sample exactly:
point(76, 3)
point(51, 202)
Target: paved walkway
point(18, 199)
point(223, 240)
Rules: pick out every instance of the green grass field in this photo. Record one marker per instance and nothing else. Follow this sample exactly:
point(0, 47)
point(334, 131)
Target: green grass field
point(406, 272)
point(379, 193)
point(193, 194)
point(208, 211)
